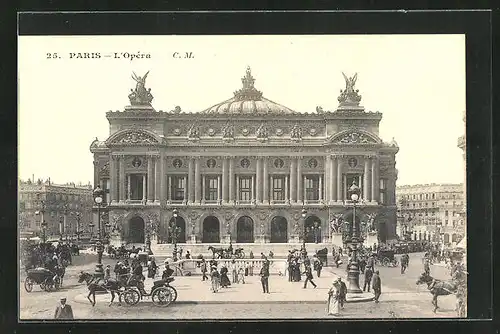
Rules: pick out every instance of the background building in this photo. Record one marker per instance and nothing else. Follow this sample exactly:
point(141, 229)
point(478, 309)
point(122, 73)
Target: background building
point(62, 207)
point(243, 169)
point(462, 145)
point(431, 211)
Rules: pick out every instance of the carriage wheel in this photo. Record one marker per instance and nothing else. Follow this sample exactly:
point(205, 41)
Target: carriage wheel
point(28, 284)
point(241, 255)
point(131, 297)
point(386, 262)
point(162, 296)
point(48, 284)
point(173, 292)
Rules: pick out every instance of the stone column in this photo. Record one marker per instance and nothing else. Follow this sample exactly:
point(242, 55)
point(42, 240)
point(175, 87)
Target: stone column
point(225, 187)
point(326, 179)
point(340, 165)
point(185, 199)
point(368, 180)
point(286, 189)
point(96, 173)
point(231, 180)
point(190, 179)
point(128, 188)
point(219, 188)
point(375, 180)
point(144, 179)
point(157, 179)
point(112, 179)
point(122, 178)
point(320, 190)
point(163, 171)
point(150, 178)
point(169, 188)
point(265, 182)
point(204, 188)
point(299, 180)
point(197, 181)
point(333, 178)
point(293, 180)
point(237, 196)
point(252, 190)
point(365, 179)
point(258, 188)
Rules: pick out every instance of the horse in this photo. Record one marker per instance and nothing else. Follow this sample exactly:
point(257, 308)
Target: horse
point(437, 287)
point(218, 251)
point(94, 285)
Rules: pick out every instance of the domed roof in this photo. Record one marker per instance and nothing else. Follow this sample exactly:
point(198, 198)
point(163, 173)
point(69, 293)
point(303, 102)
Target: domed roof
point(248, 100)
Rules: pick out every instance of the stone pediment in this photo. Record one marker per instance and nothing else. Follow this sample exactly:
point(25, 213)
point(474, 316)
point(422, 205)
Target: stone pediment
point(131, 137)
point(354, 137)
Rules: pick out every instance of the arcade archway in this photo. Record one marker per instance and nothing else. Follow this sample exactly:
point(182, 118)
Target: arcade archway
point(279, 230)
point(136, 230)
point(313, 229)
point(244, 230)
point(211, 230)
point(181, 223)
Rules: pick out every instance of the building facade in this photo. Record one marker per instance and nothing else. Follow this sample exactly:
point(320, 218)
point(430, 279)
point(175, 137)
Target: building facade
point(61, 206)
point(431, 212)
point(243, 169)
point(462, 144)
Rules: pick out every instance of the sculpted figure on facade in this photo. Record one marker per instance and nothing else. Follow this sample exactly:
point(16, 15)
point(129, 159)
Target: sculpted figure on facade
point(140, 96)
point(262, 132)
point(296, 133)
point(194, 132)
point(136, 138)
point(354, 138)
point(349, 96)
point(320, 110)
point(228, 131)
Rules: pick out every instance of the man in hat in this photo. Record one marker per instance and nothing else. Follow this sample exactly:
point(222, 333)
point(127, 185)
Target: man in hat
point(377, 286)
point(342, 292)
point(63, 310)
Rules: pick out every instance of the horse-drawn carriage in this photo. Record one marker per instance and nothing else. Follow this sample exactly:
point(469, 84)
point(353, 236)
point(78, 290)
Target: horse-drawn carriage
point(225, 253)
point(48, 280)
point(161, 293)
point(385, 257)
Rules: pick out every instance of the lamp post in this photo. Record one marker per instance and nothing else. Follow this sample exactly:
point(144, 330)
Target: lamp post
point(174, 231)
point(65, 217)
point(91, 226)
point(100, 249)
point(61, 219)
point(78, 218)
point(304, 214)
point(355, 239)
point(43, 224)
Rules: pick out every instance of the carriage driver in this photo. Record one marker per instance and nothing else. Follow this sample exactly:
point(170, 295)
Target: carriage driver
point(138, 277)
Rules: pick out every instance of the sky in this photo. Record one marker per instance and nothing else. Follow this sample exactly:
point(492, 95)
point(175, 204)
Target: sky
point(416, 81)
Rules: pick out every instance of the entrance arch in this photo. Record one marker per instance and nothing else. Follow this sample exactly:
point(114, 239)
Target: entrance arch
point(181, 223)
point(211, 230)
point(446, 238)
point(279, 230)
point(313, 229)
point(244, 230)
point(136, 230)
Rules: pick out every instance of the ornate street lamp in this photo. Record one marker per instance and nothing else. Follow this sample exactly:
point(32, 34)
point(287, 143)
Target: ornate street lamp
point(174, 231)
point(78, 218)
point(355, 240)
point(43, 224)
point(98, 193)
point(61, 220)
point(304, 233)
point(91, 226)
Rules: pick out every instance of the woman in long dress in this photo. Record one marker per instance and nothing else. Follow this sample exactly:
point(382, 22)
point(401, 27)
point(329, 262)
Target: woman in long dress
point(333, 300)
